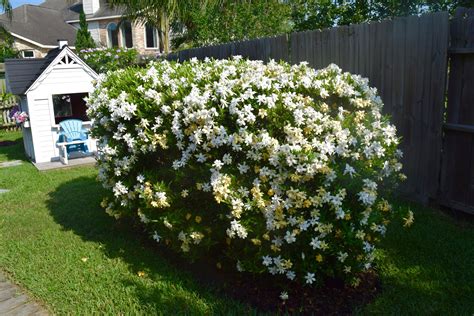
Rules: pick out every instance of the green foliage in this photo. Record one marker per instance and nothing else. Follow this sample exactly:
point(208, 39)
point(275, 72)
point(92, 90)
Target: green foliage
point(46, 234)
point(198, 23)
point(317, 14)
point(108, 59)
point(274, 168)
point(237, 20)
point(83, 38)
point(7, 50)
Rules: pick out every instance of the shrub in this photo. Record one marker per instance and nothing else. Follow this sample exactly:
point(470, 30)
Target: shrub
point(109, 59)
point(84, 38)
point(277, 169)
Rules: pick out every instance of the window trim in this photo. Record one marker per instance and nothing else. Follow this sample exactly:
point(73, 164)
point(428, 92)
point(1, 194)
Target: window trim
point(123, 34)
point(27, 50)
point(156, 35)
point(109, 39)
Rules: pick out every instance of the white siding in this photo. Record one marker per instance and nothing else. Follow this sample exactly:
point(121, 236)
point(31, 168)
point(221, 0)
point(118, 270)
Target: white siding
point(27, 140)
point(90, 6)
point(66, 79)
point(62, 79)
point(40, 120)
point(94, 30)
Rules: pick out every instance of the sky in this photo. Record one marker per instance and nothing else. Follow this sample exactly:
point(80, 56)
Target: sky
point(17, 3)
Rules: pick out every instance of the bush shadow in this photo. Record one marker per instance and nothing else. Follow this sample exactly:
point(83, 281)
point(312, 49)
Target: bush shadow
point(427, 266)
point(75, 205)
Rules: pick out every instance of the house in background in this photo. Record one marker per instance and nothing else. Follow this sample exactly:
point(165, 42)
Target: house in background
point(36, 28)
point(51, 90)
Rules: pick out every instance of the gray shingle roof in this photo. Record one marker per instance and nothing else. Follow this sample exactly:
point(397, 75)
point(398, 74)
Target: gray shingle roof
point(72, 12)
point(21, 73)
point(40, 24)
point(46, 23)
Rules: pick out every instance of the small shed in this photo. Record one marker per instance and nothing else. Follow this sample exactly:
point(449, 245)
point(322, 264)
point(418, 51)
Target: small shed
point(50, 89)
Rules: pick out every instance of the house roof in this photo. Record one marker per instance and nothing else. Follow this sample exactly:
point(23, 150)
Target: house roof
point(44, 24)
point(71, 13)
point(21, 73)
point(39, 24)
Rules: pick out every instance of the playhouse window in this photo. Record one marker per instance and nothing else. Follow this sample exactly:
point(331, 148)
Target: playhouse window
point(69, 106)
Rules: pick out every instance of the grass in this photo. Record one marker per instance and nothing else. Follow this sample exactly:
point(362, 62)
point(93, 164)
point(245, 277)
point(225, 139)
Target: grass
point(57, 243)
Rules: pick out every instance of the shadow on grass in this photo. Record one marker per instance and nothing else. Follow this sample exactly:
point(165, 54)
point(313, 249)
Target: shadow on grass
point(11, 146)
point(75, 206)
point(428, 267)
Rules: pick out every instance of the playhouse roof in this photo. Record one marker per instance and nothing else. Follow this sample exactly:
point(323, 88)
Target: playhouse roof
point(22, 73)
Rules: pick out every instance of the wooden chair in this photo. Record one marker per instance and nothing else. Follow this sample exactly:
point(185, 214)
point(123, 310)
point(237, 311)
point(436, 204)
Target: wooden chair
point(72, 137)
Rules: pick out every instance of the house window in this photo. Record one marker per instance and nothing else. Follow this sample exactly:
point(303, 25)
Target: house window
point(151, 35)
point(112, 34)
point(69, 106)
point(28, 54)
point(126, 30)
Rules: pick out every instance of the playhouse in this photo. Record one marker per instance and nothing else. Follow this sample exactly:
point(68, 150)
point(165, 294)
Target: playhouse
point(51, 91)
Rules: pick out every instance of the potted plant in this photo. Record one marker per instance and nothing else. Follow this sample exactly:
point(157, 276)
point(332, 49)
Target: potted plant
point(21, 118)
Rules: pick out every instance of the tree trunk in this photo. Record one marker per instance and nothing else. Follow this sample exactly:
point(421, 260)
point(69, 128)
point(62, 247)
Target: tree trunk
point(165, 32)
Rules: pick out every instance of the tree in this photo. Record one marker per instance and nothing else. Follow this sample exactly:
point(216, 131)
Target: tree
point(238, 20)
point(7, 49)
point(83, 38)
point(161, 13)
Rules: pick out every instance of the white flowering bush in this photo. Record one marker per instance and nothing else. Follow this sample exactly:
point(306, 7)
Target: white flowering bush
point(104, 59)
point(279, 169)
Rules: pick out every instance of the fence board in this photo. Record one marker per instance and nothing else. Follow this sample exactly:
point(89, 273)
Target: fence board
point(6, 107)
point(457, 179)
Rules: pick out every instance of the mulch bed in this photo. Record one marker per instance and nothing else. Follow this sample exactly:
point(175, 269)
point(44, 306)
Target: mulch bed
point(334, 298)
point(262, 292)
point(6, 143)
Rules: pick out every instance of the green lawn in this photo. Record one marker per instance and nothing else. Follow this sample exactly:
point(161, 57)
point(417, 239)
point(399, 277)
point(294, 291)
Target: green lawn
point(56, 242)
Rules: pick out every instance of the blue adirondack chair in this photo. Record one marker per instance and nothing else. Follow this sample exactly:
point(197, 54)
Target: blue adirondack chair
point(72, 137)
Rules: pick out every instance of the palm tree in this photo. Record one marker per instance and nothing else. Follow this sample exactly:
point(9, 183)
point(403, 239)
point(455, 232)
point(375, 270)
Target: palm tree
point(160, 13)
point(7, 7)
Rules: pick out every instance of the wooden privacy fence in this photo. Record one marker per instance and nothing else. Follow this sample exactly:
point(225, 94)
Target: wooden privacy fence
point(263, 49)
point(6, 107)
point(457, 180)
point(404, 58)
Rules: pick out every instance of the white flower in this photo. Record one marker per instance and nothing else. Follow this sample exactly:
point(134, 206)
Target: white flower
point(284, 295)
point(291, 275)
point(184, 193)
point(156, 237)
point(267, 260)
point(243, 168)
point(227, 159)
point(236, 229)
point(310, 278)
point(290, 237)
point(201, 157)
point(315, 243)
point(367, 197)
point(349, 170)
point(218, 164)
point(120, 189)
point(342, 256)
